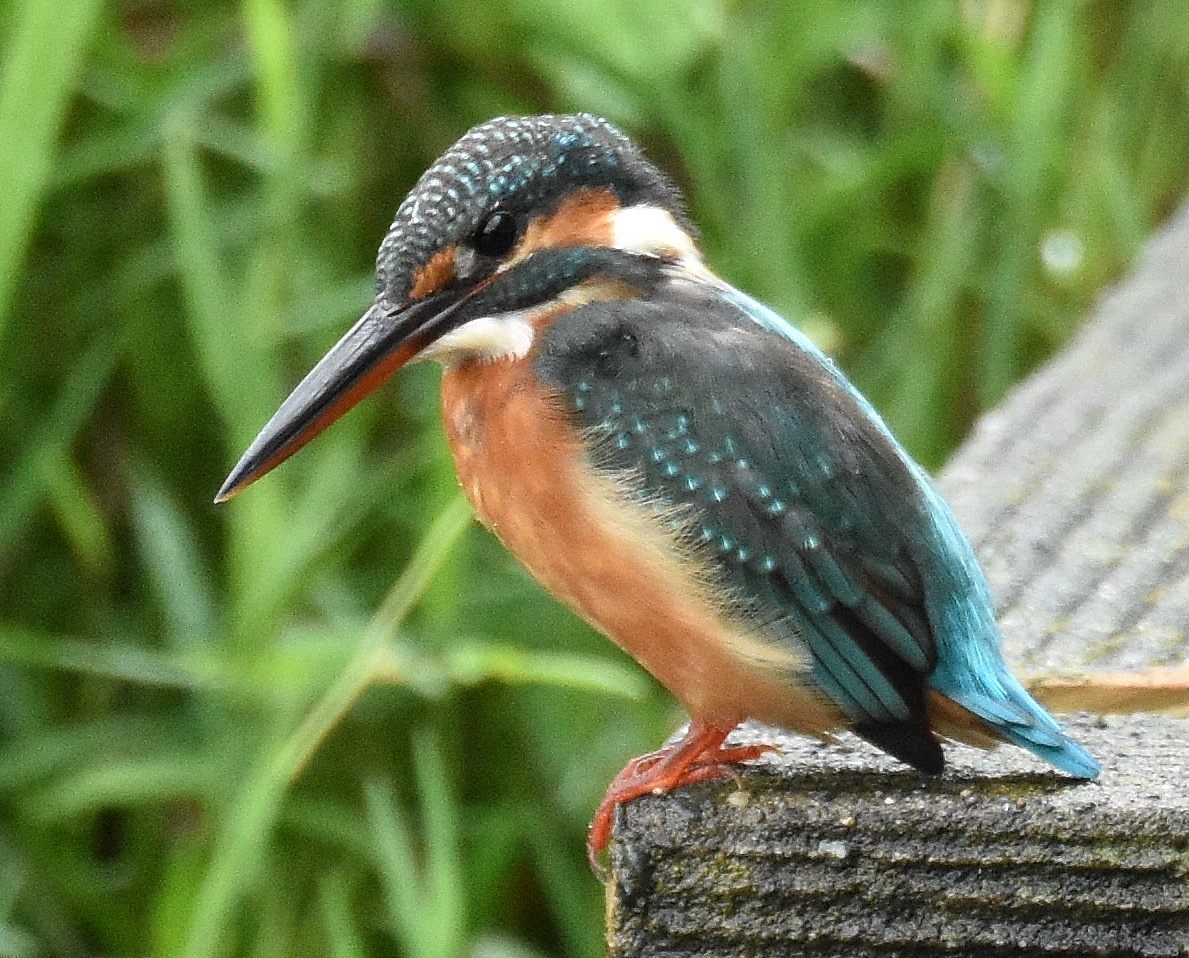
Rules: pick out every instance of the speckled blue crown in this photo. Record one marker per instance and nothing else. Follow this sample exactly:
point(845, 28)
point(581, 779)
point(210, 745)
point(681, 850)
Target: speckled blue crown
point(522, 164)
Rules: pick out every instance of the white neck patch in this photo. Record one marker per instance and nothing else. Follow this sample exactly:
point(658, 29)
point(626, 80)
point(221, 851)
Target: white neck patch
point(488, 338)
point(653, 231)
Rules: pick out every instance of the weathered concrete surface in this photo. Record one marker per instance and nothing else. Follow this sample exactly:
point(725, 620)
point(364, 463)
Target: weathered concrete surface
point(1075, 490)
point(839, 851)
point(1075, 493)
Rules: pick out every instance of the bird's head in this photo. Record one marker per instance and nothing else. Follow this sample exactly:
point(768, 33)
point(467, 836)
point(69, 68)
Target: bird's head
point(520, 216)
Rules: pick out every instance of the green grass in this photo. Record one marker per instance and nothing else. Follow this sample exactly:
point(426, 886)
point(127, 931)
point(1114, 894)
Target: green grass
point(333, 717)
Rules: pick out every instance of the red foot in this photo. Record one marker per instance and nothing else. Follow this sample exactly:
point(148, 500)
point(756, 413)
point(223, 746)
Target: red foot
point(697, 757)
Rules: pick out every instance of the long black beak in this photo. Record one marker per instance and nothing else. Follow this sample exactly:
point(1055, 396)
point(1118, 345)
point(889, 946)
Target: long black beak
point(377, 346)
point(385, 338)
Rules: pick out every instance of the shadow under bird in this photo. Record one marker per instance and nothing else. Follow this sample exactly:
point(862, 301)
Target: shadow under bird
point(674, 461)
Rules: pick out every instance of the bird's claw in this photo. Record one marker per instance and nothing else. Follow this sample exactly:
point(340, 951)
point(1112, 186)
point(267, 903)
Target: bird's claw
point(697, 757)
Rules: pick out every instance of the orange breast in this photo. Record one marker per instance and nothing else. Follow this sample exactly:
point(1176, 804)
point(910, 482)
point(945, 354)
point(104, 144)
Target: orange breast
point(611, 559)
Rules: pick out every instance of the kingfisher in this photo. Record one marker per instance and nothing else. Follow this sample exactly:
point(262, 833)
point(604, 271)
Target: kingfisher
point(674, 461)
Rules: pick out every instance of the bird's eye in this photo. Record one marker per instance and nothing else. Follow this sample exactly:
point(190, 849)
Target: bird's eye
point(496, 235)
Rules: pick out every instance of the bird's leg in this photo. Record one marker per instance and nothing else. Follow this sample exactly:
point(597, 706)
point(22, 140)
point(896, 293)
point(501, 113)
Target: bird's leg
point(698, 756)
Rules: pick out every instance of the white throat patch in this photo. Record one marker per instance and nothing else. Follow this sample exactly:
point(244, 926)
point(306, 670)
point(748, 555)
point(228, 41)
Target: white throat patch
point(488, 338)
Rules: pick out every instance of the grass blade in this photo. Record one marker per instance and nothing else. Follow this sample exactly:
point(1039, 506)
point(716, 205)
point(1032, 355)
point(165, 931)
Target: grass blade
point(407, 915)
point(41, 63)
point(342, 938)
point(166, 544)
point(30, 478)
point(470, 663)
point(123, 661)
point(81, 518)
point(174, 774)
point(250, 818)
point(425, 902)
point(444, 881)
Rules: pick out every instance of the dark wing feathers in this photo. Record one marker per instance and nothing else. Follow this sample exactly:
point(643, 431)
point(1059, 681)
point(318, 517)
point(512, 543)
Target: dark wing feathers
point(798, 495)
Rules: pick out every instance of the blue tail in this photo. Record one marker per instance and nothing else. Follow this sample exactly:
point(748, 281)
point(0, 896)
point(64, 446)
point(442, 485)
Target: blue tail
point(970, 669)
point(1015, 716)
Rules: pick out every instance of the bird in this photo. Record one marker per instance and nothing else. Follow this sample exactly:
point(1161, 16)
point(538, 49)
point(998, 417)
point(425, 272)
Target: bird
point(673, 460)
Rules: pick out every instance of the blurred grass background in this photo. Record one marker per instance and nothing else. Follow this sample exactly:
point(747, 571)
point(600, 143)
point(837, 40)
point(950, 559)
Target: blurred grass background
point(333, 717)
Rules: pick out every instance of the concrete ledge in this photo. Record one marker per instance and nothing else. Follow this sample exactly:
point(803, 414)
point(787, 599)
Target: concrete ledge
point(1075, 489)
point(838, 851)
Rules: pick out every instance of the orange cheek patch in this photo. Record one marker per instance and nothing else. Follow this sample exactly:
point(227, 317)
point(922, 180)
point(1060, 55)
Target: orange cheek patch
point(434, 275)
point(583, 219)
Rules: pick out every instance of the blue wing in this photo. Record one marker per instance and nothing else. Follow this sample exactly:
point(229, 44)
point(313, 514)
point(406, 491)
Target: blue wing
point(970, 668)
point(819, 522)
